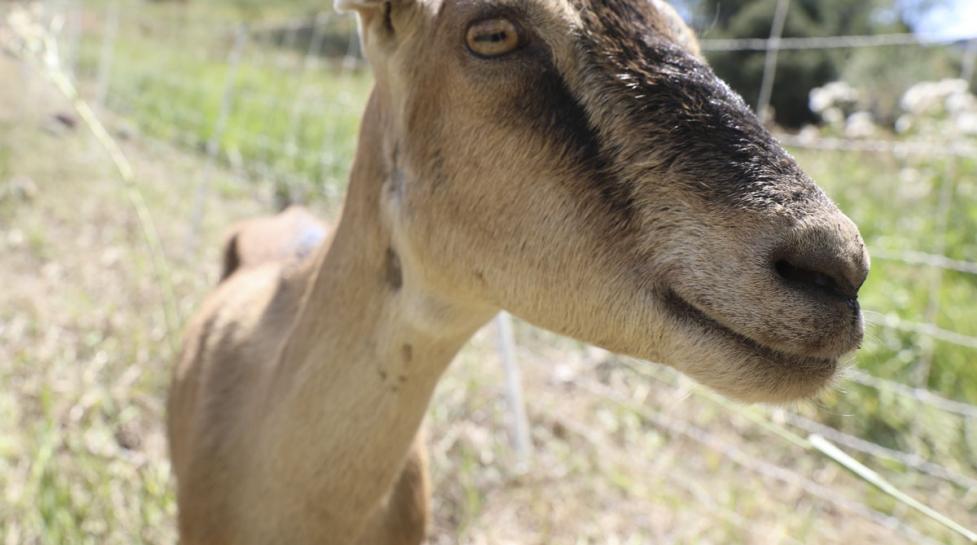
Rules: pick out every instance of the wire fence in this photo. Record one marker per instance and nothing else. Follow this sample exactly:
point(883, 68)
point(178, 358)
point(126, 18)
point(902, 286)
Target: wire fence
point(830, 42)
point(228, 120)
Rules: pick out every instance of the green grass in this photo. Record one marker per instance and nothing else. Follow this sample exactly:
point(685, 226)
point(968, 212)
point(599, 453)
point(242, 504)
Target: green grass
point(897, 207)
point(896, 203)
point(278, 121)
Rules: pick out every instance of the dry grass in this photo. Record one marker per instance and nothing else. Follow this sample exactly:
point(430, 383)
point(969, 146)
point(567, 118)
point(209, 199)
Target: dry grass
point(85, 351)
point(85, 357)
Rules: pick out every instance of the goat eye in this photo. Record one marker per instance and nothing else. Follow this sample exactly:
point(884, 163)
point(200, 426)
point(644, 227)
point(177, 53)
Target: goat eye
point(492, 37)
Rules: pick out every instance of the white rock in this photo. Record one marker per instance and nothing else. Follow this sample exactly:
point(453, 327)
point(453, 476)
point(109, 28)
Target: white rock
point(860, 125)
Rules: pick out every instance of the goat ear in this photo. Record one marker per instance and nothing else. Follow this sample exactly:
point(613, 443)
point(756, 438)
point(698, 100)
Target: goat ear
point(358, 6)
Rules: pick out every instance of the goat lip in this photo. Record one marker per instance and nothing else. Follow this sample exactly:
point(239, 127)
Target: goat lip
point(689, 313)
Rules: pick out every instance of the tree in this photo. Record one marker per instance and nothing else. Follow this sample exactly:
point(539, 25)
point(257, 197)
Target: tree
point(800, 71)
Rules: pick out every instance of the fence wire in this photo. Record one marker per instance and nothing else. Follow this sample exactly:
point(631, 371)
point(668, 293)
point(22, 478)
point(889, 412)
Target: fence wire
point(832, 42)
point(679, 382)
point(773, 471)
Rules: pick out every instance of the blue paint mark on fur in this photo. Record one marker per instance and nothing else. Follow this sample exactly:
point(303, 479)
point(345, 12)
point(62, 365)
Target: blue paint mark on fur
point(310, 239)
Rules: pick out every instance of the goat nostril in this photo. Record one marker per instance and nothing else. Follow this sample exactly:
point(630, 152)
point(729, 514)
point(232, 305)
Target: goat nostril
point(809, 278)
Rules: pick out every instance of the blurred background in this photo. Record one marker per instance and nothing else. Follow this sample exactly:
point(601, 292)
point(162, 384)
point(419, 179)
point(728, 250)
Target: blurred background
point(224, 109)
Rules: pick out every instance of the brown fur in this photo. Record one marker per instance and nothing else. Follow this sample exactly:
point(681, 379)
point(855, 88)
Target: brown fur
point(599, 182)
point(286, 239)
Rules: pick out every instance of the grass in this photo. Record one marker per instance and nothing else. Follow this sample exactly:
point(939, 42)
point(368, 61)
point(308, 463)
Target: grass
point(896, 203)
point(82, 458)
point(269, 115)
point(84, 359)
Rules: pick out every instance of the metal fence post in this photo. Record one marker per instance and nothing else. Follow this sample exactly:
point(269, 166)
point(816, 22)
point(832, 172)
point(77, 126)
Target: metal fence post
point(969, 62)
point(770, 63)
point(220, 124)
point(350, 60)
point(948, 185)
point(292, 148)
point(922, 371)
point(519, 424)
point(69, 51)
point(105, 58)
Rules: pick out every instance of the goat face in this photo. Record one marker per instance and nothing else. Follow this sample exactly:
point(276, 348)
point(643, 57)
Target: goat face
point(578, 164)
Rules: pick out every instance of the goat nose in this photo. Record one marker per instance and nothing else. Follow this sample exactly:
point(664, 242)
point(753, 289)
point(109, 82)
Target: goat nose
point(828, 261)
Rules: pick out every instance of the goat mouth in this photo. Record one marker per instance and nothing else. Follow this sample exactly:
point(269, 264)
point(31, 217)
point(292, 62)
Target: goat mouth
point(690, 315)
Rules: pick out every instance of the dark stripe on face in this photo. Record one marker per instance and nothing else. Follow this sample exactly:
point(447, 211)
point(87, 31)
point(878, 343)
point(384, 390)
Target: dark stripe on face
point(559, 114)
point(668, 106)
point(556, 115)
